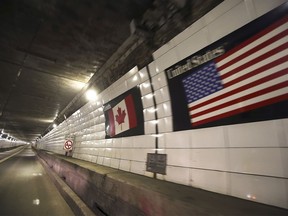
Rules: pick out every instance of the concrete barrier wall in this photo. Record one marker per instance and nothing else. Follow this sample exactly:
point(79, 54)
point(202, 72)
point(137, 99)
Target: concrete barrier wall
point(112, 192)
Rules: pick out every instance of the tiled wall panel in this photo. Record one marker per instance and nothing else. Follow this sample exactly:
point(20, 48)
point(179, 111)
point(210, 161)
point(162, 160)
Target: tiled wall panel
point(245, 160)
point(264, 6)
point(260, 189)
point(211, 180)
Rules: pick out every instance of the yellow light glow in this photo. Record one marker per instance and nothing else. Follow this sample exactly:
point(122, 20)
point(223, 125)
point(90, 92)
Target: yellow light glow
point(91, 95)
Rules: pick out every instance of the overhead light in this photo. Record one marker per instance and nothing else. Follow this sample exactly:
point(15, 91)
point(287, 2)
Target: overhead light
point(54, 125)
point(91, 95)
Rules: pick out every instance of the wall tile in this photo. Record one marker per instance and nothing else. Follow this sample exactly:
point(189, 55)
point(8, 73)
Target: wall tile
point(285, 125)
point(140, 154)
point(108, 143)
point(188, 47)
point(281, 132)
point(166, 60)
point(131, 72)
point(117, 153)
point(264, 6)
point(203, 179)
point(118, 90)
point(266, 190)
point(181, 139)
point(262, 161)
point(127, 142)
point(178, 157)
point(213, 159)
point(178, 175)
point(149, 127)
point(149, 113)
point(164, 109)
point(159, 81)
point(109, 152)
point(107, 162)
point(148, 174)
point(250, 7)
point(208, 138)
point(147, 100)
point(165, 125)
point(143, 73)
point(117, 142)
point(145, 88)
point(153, 69)
point(162, 95)
point(161, 140)
point(125, 165)
point(188, 32)
point(94, 151)
point(284, 157)
point(220, 10)
point(100, 160)
point(126, 153)
point(228, 22)
point(257, 134)
point(133, 81)
point(138, 167)
point(115, 163)
point(164, 49)
point(145, 141)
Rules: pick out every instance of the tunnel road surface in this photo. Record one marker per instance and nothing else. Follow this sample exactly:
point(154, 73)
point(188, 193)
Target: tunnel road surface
point(26, 189)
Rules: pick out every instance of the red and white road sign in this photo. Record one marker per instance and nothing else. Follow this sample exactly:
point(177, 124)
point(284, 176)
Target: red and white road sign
point(68, 145)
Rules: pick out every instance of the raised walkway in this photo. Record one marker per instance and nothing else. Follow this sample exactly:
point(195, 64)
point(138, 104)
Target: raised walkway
point(113, 192)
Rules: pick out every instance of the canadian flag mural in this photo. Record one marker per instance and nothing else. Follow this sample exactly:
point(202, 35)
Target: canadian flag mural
point(124, 115)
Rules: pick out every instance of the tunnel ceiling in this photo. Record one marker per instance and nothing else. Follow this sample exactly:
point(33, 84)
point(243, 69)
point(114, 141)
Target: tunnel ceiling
point(49, 49)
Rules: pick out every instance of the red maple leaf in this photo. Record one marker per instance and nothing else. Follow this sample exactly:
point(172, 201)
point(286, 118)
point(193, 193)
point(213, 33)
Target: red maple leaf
point(120, 116)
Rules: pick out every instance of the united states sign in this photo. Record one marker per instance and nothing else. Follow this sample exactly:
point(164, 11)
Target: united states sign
point(244, 78)
point(124, 115)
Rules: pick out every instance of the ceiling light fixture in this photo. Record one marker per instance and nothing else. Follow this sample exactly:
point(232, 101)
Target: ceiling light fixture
point(91, 95)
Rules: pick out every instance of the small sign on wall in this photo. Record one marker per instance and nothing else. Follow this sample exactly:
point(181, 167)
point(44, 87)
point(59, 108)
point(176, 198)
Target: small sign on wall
point(156, 163)
point(68, 145)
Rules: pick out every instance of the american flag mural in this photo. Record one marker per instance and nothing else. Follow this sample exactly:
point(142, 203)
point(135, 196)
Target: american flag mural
point(249, 76)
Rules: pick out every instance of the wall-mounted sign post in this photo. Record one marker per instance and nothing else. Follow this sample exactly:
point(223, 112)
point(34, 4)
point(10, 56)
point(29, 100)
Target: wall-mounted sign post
point(156, 163)
point(68, 146)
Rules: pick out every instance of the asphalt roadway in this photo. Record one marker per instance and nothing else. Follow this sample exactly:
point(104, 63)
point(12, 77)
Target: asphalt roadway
point(25, 187)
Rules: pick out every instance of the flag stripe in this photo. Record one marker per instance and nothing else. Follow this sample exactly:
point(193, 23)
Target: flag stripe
point(280, 62)
point(242, 104)
point(255, 40)
point(280, 70)
point(253, 62)
point(239, 94)
point(131, 111)
point(255, 51)
point(243, 98)
point(226, 94)
point(265, 62)
point(243, 109)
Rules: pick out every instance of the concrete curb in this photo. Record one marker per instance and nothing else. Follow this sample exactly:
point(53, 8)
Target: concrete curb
point(78, 207)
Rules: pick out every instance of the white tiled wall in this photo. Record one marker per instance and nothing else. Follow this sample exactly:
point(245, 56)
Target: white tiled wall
point(246, 160)
point(4, 143)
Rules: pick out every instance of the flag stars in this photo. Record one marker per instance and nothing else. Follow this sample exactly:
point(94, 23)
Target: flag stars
point(201, 83)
